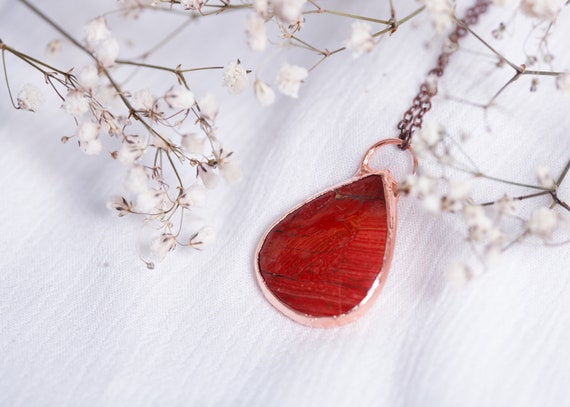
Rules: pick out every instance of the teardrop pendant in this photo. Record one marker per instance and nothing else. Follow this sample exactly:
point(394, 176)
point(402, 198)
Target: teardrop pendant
point(324, 263)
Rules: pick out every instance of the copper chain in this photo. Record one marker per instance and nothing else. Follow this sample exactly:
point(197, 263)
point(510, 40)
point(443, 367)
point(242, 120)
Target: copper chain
point(414, 116)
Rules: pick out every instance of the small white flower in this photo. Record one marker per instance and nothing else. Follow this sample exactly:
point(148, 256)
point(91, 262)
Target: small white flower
point(430, 134)
point(563, 83)
point(180, 98)
point(143, 100)
point(458, 274)
point(30, 98)
point(480, 225)
point(544, 177)
point(441, 14)
point(162, 245)
point(290, 78)
point(235, 78)
point(194, 195)
point(459, 190)
point(541, 9)
point(91, 147)
point(137, 179)
point(209, 178)
point(261, 7)
point(132, 149)
point(75, 103)
point(420, 186)
point(119, 205)
point(256, 31)
point(263, 92)
point(96, 31)
point(209, 106)
point(231, 172)
point(432, 204)
point(360, 40)
point(543, 222)
point(87, 131)
point(288, 11)
point(106, 52)
point(193, 4)
point(203, 237)
point(88, 77)
point(152, 201)
point(192, 143)
point(507, 206)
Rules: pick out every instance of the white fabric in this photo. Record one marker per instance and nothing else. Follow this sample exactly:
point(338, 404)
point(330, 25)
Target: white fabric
point(82, 322)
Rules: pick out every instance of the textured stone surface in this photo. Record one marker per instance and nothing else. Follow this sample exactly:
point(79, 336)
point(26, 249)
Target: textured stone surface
point(323, 258)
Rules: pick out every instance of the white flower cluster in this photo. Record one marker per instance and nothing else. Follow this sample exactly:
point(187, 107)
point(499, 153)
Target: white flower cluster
point(490, 227)
point(441, 13)
point(99, 40)
point(30, 98)
point(360, 40)
point(288, 80)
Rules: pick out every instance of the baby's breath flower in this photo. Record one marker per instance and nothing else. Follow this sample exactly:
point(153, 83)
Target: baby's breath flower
point(544, 177)
point(202, 238)
point(96, 31)
point(563, 83)
point(29, 98)
point(507, 206)
point(290, 78)
point(360, 40)
point(106, 52)
point(88, 77)
point(480, 225)
point(132, 149)
point(288, 11)
point(152, 201)
point(137, 179)
point(179, 98)
point(143, 100)
point(75, 103)
point(541, 9)
point(261, 7)
point(194, 195)
point(256, 31)
point(459, 190)
point(192, 143)
point(441, 14)
point(263, 92)
point(91, 147)
point(193, 4)
point(209, 178)
point(209, 106)
point(87, 131)
point(543, 222)
point(120, 206)
point(230, 171)
point(235, 77)
point(458, 274)
point(162, 245)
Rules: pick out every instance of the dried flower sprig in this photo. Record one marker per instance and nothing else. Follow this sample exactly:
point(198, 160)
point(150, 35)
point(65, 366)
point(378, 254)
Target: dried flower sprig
point(145, 126)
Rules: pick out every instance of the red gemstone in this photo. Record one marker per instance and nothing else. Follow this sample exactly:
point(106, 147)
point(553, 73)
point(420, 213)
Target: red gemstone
point(324, 258)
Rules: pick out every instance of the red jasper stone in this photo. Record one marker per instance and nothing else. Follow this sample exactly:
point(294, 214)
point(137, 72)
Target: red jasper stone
point(323, 258)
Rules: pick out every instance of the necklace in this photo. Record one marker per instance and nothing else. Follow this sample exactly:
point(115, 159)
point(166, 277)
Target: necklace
point(324, 262)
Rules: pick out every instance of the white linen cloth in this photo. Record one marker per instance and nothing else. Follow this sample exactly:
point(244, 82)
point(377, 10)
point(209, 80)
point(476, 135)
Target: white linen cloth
point(83, 322)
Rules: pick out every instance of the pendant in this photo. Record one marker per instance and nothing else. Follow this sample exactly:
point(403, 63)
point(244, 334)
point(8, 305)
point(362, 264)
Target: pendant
point(325, 262)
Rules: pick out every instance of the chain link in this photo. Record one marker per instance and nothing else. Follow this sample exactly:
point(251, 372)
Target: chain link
point(414, 116)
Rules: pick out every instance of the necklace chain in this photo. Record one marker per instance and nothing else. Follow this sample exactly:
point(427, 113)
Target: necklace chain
point(414, 116)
